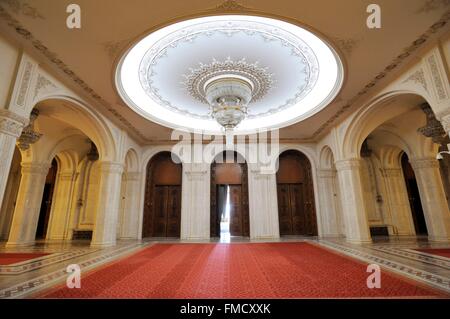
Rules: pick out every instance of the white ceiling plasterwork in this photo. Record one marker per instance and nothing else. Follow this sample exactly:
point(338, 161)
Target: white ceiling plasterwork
point(294, 73)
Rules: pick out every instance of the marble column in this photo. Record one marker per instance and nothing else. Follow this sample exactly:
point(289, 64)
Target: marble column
point(355, 218)
point(432, 197)
point(330, 219)
point(130, 216)
point(11, 126)
point(62, 205)
point(107, 214)
point(29, 199)
point(263, 204)
point(397, 200)
point(195, 202)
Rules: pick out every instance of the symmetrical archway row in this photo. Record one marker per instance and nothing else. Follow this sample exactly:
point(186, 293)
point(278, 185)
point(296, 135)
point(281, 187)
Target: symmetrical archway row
point(355, 178)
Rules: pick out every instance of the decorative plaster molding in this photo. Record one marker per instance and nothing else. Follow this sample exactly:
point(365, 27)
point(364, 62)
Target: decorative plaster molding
point(133, 176)
point(349, 164)
point(431, 5)
point(417, 77)
point(111, 167)
point(347, 45)
point(230, 6)
point(391, 172)
point(35, 168)
point(11, 123)
point(388, 69)
point(422, 163)
point(437, 78)
point(196, 175)
point(24, 84)
point(326, 173)
point(21, 7)
point(53, 58)
point(41, 84)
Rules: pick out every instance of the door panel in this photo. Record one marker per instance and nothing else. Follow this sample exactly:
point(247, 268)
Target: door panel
point(236, 222)
point(159, 211)
point(173, 211)
point(284, 210)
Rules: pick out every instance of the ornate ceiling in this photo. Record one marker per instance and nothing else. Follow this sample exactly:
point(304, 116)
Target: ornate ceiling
point(86, 59)
point(292, 72)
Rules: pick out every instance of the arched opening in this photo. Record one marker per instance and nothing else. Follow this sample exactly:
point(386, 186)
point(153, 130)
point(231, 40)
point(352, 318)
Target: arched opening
point(296, 209)
point(47, 199)
point(162, 203)
point(414, 197)
point(10, 196)
point(229, 196)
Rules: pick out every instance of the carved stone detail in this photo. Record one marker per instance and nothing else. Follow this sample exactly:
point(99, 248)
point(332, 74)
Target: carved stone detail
point(437, 80)
point(41, 84)
point(424, 163)
point(11, 124)
point(25, 84)
point(349, 164)
point(417, 77)
point(230, 5)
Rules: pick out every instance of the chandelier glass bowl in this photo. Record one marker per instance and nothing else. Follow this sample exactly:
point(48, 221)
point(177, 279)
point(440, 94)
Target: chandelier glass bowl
point(235, 72)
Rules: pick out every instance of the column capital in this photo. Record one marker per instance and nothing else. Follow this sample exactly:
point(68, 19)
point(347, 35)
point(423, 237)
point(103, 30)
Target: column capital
point(67, 175)
point(35, 168)
point(326, 173)
point(391, 172)
point(111, 167)
point(133, 176)
point(427, 162)
point(11, 123)
point(348, 164)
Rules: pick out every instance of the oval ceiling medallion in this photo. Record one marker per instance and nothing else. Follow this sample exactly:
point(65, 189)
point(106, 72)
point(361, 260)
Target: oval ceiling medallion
point(287, 73)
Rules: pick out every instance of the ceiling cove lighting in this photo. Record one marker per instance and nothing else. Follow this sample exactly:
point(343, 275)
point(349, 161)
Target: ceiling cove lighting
point(231, 72)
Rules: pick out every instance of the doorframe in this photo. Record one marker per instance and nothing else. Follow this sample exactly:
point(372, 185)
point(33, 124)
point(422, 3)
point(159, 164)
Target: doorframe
point(149, 189)
point(213, 213)
point(309, 185)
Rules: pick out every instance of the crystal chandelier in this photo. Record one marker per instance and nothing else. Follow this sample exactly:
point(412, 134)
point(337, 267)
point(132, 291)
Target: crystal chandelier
point(228, 97)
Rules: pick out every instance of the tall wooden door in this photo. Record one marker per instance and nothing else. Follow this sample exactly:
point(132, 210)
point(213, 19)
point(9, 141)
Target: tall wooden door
point(167, 205)
point(162, 205)
point(295, 195)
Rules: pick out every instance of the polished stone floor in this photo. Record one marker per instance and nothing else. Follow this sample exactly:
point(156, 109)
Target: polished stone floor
point(26, 279)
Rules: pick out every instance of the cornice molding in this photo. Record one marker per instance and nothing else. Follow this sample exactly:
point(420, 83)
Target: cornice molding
point(226, 6)
point(395, 63)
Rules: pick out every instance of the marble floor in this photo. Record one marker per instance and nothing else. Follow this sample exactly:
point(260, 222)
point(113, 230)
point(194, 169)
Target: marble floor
point(26, 279)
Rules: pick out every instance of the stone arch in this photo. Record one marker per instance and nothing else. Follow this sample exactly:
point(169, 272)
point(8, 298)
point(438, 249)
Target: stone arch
point(326, 158)
point(380, 110)
point(77, 114)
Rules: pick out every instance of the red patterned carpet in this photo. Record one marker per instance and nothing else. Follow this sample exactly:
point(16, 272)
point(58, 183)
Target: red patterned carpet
point(13, 258)
point(260, 270)
point(443, 252)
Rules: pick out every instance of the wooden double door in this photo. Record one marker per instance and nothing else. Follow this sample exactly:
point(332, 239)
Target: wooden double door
point(167, 209)
point(162, 204)
point(296, 210)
